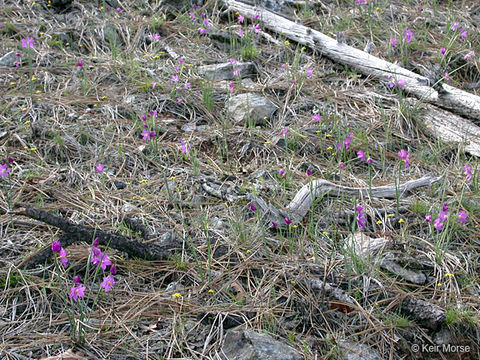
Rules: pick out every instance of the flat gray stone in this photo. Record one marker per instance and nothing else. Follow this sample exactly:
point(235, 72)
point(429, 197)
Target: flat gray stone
point(9, 59)
point(250, 345)
point(250, 107)
point(224, 71)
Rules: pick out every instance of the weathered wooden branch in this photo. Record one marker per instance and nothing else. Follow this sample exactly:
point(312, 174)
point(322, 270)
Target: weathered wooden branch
point(159, 250)
point(302, 202)
point(453, 99)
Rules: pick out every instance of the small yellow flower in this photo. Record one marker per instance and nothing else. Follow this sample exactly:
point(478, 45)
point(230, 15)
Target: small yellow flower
point(103, 97)
point(379, 222)
point(177, 295)
point(39, 99)
point(304, 48)
point(171, 178)
point(287, 42)
point(211, 291)
point(292, 282)
point(134, 197)
point(248, 251)
point(95, 105)
point(162, 52)
point(42, 33)
point(318, 131)
point(325, 233)
point(34, 78)
point(378, 9)
point(128, 182)
point(267, 142)
point(143, 198)
point(265, 118)
point(5, 121)
point(390, 215)
point(23, 19)
point(156, 57)
point(38, 92)
point(330, 148)
point(164, 155)
point(294, 226)
point(67, 44)
point(33, 149)
point(237, 13)
point(101, 7)
point(439, 284)
point(27, 122)
point(12, 83)
point(328, 135)
point(476, 226)
point(448, 275)
point(25, 147)
point(401, 221)
point(428, 126)
point(143, 181)
point(80, 45)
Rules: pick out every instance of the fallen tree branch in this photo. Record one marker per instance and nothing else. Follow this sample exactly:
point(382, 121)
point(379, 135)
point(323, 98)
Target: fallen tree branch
point(158, 250)
point(453, 99)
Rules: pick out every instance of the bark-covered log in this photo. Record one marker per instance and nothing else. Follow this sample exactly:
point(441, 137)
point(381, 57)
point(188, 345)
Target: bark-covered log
point(453, 99)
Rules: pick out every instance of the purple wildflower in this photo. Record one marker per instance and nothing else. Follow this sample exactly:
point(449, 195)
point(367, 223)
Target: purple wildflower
point(287, 221)
point(80, 63)
point(253, 207)
point(56, 246)
point(77, 292)
point(77, 279)
point(462, 217)
point(400, 83)
point(361, 155)
point(309, 172)
point(454, 26)
point(361, 219)
point(63, 257)
point(447, 77)
point(309, 73)
point(369, 161)
point(317, 118)
point(100, 168)
point(274, 224)
point(438, 224)
point(341, 165)
point(407, 36)
point(284, 131)
point(281, 172)
point(113, 269)
point(469, 55)
point(185, 147)
point(428, 218)
point(463, 33)
point(402, 154)
point(108, 283)
point(443, 51)
point(468, 171)
point(241, 19)
point(393, 41)
point(4, 170)
point(27, 43)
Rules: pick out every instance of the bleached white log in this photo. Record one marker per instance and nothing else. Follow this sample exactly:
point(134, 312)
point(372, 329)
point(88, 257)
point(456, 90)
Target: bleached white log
point(453, 99)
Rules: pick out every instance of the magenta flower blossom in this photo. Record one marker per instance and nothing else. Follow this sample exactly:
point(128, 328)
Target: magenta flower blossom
point(284, 131)
point(443, 51)
point(309, 172)
point(99, 168)
point(468, 171)
point(185, 148)
point(407, 36)
point(174, 78)
point(113, 269)
point(454, 26)
point(361, 219)
point(80, 63)
point(341, 165)
point(77, 279)
point(317, 118)
point(27, 43)
point(77, 292)
point(230, 85)
point(348, 140)
point(201, 31)
point(369, 161)
point(462, 217)
point(428, 218)
point(287, 221)
point(56, 246)
point(145, 135)
point(253, 207)
point(400, 83)
point(108, 283)
point(63, 257)
point(255, 16)
point(96, 242)
point(119, 10)
point(4, 170)
point(402, 154)
point(274, 224)
point(281, 172)
point(154, 84)
point(233, 62)
point(447, 77)
point(438, 224)
point(361, 155)
point(10, 160)
point(236, 72)
point(463, 33)
point(309, 73)
point(469, 55)
point(241, 33)
point(393, 41)
point(241, 19)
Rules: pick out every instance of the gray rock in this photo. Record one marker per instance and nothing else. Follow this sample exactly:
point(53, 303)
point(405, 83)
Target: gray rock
point(353, 351)
point(8, 59)
point(250, 345)
point(250, 107)
point(390, 264)
point(224, 71)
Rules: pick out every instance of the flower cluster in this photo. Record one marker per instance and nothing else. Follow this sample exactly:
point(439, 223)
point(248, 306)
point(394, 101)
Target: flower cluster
point(205, 23)
point(4, 170)
point(147, 135)
point(361, 219)
point(468, 171)
point(403, 154)
point(57, 248)
point(399, 83)
point(407, 36)
point(254, 28)
point(363, 157)
point(439, 222)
